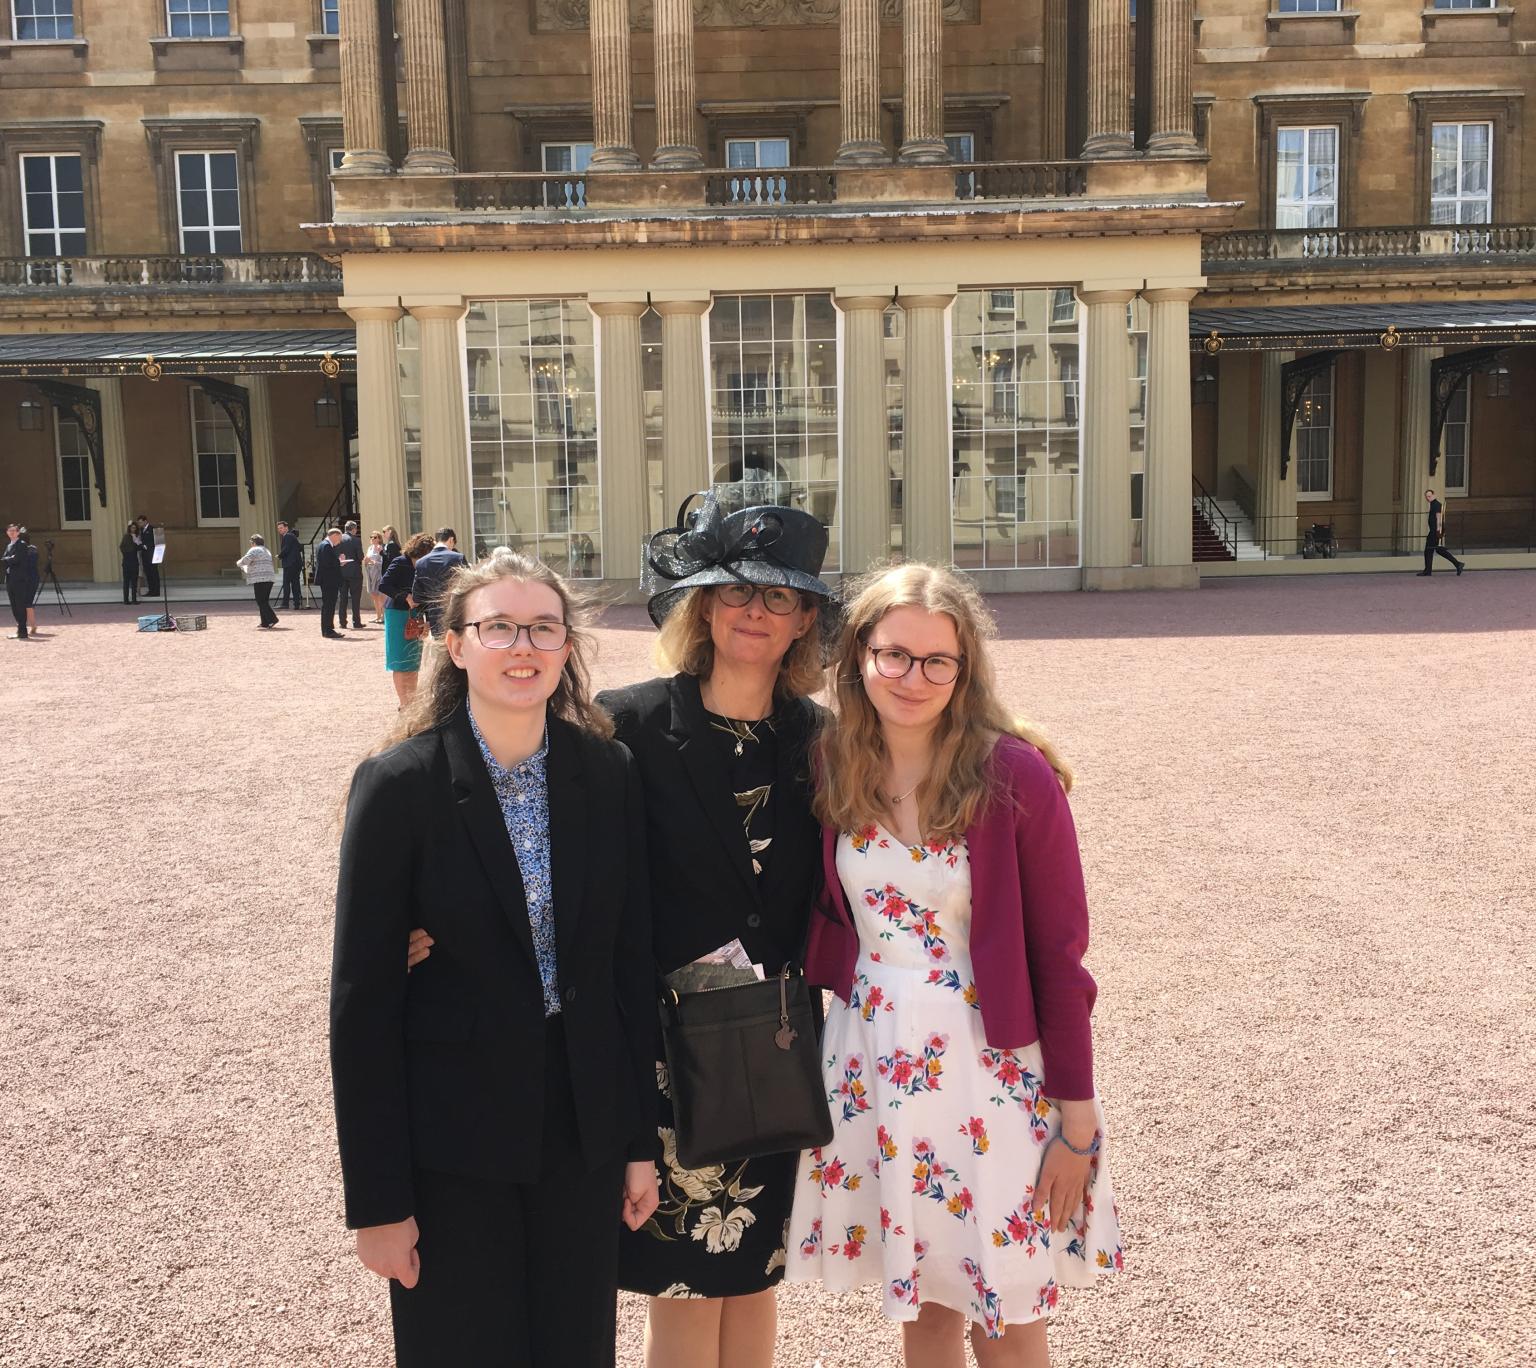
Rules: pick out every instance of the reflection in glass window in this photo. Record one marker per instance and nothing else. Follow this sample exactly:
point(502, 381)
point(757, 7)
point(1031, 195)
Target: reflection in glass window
point(1137, 317)
point(1312, 439)
point(895, 332)
point(533, 431)
point(215, 454)
point(1308, 6)
point(198, 18)
point(208, 200)
point(773, 375)
point(330, 16)
point(53, 205)
point(408, 358)
point(74, 470)
point(650, 399)
point(1456, 440)
point(1306, 177)
point(1461, 173)
point(1016, 442)
point(42, 20)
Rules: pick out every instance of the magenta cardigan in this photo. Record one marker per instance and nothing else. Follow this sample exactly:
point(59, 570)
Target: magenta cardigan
point(1029, 923)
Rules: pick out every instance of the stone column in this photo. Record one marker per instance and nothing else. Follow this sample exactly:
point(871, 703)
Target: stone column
point(684, 395)
point(859, 43)
point(866, 494)
point(928, 477)
point(1054, 126)
point(426, 89)
point(922, 104)
point(1173, 59)
point(107, 522)
point(612, 109)
point(621, 432)
point(677, 147)
point(1106, 478)
point(1378, 456)
point(445, 497)
point(362, 91)
point(1413, 476)
point(260, 516)
point(1274, 497)
point(380, 432)
point(1109, 80)
point(1168, 486)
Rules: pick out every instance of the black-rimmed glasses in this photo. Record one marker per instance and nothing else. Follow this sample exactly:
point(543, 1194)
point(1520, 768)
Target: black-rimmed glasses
point(777, 599)
point(501, 634)
point(894, 663)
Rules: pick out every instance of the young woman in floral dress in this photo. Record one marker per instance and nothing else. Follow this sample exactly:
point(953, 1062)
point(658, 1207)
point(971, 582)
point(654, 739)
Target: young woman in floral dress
point(966, 1173)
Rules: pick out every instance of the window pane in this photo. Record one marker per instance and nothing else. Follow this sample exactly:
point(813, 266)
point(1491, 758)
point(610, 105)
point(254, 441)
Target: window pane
point(773, 152)
point(192, 169)
point(740, 154)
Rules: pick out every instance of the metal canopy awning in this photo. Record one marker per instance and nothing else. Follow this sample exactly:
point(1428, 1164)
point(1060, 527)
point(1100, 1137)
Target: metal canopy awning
point(327, 351)
point(1421, 323)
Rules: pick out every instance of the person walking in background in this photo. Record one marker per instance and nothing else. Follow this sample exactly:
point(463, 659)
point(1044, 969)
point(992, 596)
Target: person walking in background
point(1434, 539)
point(291, 555)
point(328, 577)
point(373, 570)
point(256, 565)
point(432, 574)
point(392, 545)
point(129, 549)
point(20, 568)
point(405, 628)
point(351, 550)
point(147, 556)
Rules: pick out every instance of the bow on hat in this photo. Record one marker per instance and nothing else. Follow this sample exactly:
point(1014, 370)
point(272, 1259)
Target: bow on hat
point(701, 542)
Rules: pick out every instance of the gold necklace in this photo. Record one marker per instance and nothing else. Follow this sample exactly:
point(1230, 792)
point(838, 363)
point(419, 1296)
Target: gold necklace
point(742, 731)
point(902, 797)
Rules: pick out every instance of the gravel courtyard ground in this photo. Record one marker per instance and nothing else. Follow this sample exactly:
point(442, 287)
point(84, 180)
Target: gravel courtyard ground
point(1307, 816)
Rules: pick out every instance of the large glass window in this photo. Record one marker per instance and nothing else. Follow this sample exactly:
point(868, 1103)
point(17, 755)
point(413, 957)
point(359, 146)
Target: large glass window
point(650, 400)
point(1137, 316)
point(1307, 177)
point(1461, 173)
point(208, 201)
point(533, 431)
point(755, 154)
point(1016, 443)
point(895, 331)
point(42, 20)
point(1308, 6)
point(197, 18)
point(773, 366)
point(53, 205)
point(1312, 438)
point(408, 359)
point(74, 471)
point(215, 456)
point(1456, 440)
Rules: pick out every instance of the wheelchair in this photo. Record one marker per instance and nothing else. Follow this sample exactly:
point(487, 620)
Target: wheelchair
point(1319, 543)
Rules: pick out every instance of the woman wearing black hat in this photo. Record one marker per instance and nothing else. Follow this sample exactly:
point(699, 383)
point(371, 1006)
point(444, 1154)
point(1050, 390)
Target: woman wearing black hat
point(722, 747)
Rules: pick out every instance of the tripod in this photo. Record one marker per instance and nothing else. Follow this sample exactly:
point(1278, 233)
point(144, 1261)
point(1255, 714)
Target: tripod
point(49, 578)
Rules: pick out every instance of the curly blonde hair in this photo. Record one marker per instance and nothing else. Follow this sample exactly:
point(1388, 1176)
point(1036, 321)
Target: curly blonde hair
point(851, 752)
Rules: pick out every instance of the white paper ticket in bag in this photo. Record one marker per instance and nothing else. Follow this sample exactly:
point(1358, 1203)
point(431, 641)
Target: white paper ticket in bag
point(733, 953)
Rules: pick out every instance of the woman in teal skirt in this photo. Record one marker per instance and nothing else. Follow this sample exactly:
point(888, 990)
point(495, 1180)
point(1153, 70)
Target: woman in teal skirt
point(402, 654)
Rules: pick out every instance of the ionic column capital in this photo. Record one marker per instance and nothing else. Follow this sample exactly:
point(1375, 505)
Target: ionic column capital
point(926, 296)
point(372, 308)
point(672, 303)
point(435, 308)
point(1108, 292)
point(617, 303)
point(850, 298)
point(1171, 294)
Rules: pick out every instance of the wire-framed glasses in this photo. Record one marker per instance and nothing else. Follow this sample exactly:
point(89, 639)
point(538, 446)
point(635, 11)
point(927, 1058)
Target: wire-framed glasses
point(777, 599)
point(894, 663)
point(501, 634)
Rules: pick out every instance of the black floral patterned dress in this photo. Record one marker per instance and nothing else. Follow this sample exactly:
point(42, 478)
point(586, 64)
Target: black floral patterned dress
point(720, 1231)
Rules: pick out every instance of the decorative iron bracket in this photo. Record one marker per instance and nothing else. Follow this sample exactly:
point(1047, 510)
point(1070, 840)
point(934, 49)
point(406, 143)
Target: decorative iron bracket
point(84, 406)
point(1447, 374)
point(1295, 376)
point(235, 400)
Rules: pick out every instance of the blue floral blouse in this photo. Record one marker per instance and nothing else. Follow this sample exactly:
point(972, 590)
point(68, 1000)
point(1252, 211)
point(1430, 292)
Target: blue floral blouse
point(523, 794)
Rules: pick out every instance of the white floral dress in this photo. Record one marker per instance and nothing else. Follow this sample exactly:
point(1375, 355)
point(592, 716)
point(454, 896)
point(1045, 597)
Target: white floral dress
point(927, 1184)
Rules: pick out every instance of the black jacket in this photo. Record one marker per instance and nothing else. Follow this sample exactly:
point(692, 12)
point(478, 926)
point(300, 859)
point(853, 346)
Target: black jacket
point(433, 572)
point(443, 1068)
point(703, 891)
point(396, 581)
point(20, 565)
point(289, 553)
point(327, 566)
point(352, 549)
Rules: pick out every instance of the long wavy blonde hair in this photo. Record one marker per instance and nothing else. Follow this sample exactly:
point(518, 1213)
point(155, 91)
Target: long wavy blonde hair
point(851, 752)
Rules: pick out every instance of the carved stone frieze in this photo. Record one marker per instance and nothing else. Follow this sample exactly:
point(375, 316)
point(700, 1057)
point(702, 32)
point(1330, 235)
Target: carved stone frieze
point(567, 15)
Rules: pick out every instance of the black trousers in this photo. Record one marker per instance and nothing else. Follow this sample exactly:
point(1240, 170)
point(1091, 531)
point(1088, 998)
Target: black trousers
point(1432, 548)
point(264, 602)
point(20, 596)
point(131, 581)
point(352, 592)
point(292, 595)
point(517, 1275)
point(328, 597)
point(151, 577)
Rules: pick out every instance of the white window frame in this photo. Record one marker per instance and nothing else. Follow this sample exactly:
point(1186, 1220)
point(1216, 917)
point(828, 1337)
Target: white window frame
point(207, 10)
point(59, 457)
point(1458, 200)
point(197, 473)
point(1315, 495)
point(1304, 206)
point(1308, 7)
point(756, 144)
point(66, 19)
point(212, 228)
point(1463, 4)
point(330, 18)
point(1463, 428)
point(27, 230)
point(570, 146)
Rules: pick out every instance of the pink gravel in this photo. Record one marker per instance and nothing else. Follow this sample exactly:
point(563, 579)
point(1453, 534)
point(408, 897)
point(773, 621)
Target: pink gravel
point(1307, 819)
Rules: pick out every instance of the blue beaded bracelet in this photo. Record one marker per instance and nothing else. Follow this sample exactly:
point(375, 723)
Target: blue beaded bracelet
point(1081, 1153)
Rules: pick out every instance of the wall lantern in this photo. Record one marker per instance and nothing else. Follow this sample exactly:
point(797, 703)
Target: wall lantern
point(327, 412)
point(29, 416)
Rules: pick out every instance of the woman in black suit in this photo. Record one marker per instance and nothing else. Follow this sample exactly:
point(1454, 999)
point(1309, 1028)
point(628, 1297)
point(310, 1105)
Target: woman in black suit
point(496, 1106)
point(722, 747)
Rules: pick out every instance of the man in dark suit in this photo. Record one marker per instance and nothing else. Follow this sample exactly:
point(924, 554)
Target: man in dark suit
point(147, 556)
point(432, 574)
point(19, 584)
point(351, 552)
point(290, 556)
point(328, 577)
point(1434, 539)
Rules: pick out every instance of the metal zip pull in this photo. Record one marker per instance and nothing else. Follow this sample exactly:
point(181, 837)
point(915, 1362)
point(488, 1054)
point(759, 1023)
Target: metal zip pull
point(786, 1035)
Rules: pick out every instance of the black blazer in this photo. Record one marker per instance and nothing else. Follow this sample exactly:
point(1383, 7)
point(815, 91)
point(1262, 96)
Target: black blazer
point(327, 566)
point(289, 552)
point(399, 574)
point(443, 1068)
point(703, 891)
point(352, 548)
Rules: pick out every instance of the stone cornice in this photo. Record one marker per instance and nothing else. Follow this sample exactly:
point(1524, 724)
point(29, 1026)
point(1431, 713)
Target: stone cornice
point(572, 15)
